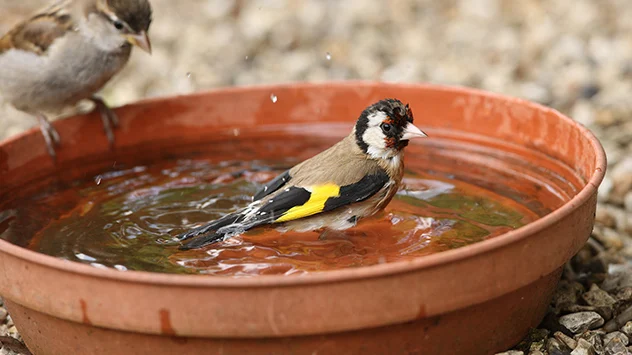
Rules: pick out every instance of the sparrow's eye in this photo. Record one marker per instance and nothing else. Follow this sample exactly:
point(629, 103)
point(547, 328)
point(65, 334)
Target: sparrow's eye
point(118, 25)
point(386, 128)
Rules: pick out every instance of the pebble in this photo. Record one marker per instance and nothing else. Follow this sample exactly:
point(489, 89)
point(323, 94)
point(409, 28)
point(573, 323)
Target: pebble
point(581, 321)
point(622, 179)
point(583, 348)
point(555, 347)
point(609, 237)
point(601, 300)
point(594, 338)
point(603, 194)
point(616, 347)
point(627, 201)
point(511, 352)
point(622, 338)
point(619, 321)
point(3, 315)
point(567, 294)
point(570, 342)
point(604, 216)
point(627, 329)
point(619, 276)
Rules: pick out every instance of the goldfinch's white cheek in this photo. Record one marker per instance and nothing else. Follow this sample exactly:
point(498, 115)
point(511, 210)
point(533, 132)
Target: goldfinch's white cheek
point(374, 137)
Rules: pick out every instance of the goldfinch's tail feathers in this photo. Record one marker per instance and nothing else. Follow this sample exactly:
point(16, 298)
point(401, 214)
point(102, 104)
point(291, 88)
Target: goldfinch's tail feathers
point(208, 233)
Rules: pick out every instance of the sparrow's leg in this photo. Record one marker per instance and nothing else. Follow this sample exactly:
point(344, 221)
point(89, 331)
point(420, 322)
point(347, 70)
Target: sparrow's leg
point(50, 134)
point(109, 117)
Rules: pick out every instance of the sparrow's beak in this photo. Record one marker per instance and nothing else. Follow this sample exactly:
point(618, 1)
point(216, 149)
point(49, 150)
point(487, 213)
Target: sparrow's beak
point(141, 41)
point(411, 131)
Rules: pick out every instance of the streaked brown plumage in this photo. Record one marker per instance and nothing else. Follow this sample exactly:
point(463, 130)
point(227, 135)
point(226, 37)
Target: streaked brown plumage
point(67, 52)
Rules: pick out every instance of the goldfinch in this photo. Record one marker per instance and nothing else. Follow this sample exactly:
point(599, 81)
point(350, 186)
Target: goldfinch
point(355, 178)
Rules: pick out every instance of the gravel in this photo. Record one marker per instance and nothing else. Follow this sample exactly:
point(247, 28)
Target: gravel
point(581, 321)
point(572, 55)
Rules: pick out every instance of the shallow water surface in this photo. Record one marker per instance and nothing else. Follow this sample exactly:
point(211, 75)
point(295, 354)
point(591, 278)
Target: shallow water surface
point(125, 218)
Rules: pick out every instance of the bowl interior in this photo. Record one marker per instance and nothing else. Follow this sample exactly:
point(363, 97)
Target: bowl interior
point(519, 150)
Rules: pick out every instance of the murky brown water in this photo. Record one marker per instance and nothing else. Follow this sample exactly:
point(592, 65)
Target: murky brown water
point(124, 218)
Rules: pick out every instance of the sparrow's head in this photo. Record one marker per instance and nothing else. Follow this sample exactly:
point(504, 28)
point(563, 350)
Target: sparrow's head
point(384, 128)
point(122, 22)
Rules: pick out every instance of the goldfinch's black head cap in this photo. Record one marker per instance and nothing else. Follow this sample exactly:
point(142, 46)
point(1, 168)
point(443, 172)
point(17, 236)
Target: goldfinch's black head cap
point(382, 125)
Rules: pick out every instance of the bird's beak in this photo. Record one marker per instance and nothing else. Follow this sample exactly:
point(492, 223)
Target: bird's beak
point(411, 131)
point(140, 40)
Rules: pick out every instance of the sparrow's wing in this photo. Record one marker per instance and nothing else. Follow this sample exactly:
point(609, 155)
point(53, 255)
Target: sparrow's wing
point(292, 203)
point(38, 33)
point(272, 186)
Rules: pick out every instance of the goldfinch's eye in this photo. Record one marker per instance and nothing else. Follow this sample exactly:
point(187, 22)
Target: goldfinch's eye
point(386, 128)
point(118, 25)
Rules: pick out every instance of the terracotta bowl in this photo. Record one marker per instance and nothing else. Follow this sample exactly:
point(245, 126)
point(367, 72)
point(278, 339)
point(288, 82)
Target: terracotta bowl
point(477, 299)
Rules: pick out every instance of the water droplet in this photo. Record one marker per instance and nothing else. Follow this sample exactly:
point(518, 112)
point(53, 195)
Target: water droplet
point(98, 179)
point(328, 56)
point(274, 98)
point(85, 257)
point(235, 132)
point(246, 57)
point(188, 74)
point(99, 266)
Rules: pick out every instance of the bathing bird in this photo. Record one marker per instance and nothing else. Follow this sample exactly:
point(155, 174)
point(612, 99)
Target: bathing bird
point(354, 179)
point(67, 52)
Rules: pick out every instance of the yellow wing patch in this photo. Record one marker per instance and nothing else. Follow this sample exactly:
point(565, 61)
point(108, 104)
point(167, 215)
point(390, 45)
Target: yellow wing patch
point(316, 203)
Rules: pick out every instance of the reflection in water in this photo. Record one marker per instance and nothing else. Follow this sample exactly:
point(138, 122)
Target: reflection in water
point(125, 218)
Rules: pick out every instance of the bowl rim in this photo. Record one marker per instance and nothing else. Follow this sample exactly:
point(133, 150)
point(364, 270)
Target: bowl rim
point(342, 275)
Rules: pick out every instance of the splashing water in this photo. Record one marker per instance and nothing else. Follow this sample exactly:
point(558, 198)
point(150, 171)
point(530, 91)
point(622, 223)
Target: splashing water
point(128, 221)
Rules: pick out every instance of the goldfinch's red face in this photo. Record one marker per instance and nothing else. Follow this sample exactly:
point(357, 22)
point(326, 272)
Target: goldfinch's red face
point(384, 129)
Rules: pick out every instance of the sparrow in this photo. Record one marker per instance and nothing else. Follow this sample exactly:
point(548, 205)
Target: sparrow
point(354, 179)
point(67, 52)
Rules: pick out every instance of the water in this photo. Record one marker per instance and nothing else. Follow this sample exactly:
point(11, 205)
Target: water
point(124, 218)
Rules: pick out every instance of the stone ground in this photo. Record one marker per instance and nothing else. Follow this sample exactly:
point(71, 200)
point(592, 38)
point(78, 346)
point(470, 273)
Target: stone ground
point(572, 55)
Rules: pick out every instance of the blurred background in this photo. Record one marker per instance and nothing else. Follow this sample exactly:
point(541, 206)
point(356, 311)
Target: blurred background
point(572, 55)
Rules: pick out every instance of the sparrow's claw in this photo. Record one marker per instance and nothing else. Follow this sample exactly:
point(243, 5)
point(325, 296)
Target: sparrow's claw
point(109, 118)
point(50, 134)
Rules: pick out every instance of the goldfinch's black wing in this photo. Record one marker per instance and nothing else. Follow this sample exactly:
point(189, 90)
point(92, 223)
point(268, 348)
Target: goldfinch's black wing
point(292, 203)
point(272, 185)
point(324, 198)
